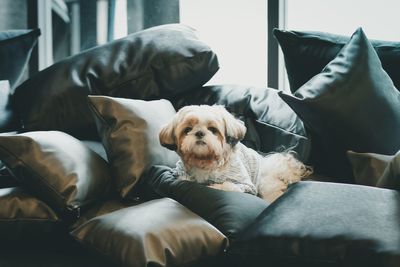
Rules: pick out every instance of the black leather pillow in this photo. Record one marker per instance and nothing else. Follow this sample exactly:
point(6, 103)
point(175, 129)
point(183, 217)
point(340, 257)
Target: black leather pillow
point(149, 64)
point(271, 124)
point(324, 224)
point(351, 105)
point(25, 218)
point(15, 51)
point(129, 131)
point(368, 167)
point(376, 170)
point(229, 212)
point(58, 168)
point(307, 53)
point(155, 233)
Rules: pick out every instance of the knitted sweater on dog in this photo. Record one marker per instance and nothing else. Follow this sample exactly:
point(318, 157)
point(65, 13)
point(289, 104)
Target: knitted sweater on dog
point(242, 170)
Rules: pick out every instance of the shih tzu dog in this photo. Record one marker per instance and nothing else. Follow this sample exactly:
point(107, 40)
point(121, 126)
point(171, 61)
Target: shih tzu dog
point(207, 139)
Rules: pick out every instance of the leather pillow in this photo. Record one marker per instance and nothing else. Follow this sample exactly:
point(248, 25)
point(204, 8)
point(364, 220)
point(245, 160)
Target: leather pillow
point(25, 218)
point(58, 168)
point(376, 170)
point(324, 224)
point(351, 105)
point(149, 64)
point(155, 233)
point(307, 53)
point(15, 51)
point(129, 132)
point(368, 167)
point(271, 124)
point(229, 212)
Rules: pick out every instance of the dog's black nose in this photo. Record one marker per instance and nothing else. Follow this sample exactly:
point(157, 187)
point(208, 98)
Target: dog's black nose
point(199, 134)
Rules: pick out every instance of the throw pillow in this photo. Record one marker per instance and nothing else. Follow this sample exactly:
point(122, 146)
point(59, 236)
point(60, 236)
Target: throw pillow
point(375, 169)
point(58, 168)
point(150, 64)
point(351, 105)
point(307, 53)
point(129, 132)
point(271, 124)
point(25, 218)
point(324, 224)
point(15, 51)
point(368, 167)
point(155, 233)
point(229, 212)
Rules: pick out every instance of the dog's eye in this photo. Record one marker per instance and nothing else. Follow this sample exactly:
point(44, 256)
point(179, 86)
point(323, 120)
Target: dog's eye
point(213, 130)
point(187, 130)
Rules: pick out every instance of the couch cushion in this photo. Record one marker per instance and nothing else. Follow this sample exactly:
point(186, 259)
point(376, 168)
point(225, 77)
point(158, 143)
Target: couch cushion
point(163, 60)
point(129, 131)
point(25, 218)
point(351, 105)
point(156, 233)
point(15, 51)
point(324, 224)
point(229, 212)
point(271, 124)
point(307, 53)
point(58, 168)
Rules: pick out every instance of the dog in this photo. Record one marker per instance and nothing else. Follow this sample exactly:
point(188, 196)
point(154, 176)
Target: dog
point(207, 139)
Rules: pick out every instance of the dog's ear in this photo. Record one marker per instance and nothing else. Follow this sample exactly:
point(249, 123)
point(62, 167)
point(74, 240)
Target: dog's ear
point(167, 136)
point(234, 128)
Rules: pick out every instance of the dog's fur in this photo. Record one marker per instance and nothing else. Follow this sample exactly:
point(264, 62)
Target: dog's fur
point(207, 140)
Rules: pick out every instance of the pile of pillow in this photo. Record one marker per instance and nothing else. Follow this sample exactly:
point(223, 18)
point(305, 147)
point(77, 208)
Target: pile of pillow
point(344, 95)
point(72, 180)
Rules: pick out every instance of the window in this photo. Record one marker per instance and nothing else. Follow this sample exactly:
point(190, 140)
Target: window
point(377, 18)
point(237, 32)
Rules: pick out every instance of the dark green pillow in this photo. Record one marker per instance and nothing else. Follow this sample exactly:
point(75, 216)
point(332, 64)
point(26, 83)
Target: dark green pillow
point(324, 224)
point(15, 51)
point(351, 105)
point(306, 53)
point(368, 167)
point(375, 169)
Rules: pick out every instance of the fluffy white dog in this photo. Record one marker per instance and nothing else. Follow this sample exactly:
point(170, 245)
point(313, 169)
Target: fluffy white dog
point(207, 140)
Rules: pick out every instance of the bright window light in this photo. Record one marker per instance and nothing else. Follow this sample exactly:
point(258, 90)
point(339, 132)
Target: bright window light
point(121, 19)
point(379, 19)
point(237, 31)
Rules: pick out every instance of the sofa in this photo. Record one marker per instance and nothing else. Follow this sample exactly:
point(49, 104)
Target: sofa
point(85, 182)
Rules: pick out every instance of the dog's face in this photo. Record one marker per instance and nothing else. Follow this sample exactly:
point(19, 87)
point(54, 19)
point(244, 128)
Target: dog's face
point(203, 136)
